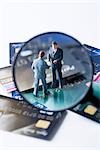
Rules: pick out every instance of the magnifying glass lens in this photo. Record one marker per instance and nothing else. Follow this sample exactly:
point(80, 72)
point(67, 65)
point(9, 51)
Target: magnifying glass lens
point(53, 71)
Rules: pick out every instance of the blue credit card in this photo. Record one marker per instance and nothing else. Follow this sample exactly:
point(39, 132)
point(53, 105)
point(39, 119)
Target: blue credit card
point(94, 54)
point(13, 50)
point(90, 106)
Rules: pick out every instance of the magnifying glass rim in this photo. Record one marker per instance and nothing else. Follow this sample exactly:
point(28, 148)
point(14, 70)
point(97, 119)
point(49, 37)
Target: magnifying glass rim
point(14, 64)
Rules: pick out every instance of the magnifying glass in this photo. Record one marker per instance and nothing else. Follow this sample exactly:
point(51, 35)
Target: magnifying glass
point(52, 71)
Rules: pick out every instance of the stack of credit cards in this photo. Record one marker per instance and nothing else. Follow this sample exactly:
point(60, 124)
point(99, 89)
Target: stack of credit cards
point(17, 116)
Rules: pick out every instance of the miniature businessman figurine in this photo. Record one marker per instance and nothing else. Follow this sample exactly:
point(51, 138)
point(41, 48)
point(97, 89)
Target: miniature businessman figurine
point(56, 56)
point(39, 67)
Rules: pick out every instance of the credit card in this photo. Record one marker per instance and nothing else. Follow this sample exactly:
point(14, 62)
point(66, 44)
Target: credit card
point(22, 118)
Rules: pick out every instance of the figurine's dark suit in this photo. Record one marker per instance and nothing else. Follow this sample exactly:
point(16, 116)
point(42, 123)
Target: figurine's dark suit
point(58, 55)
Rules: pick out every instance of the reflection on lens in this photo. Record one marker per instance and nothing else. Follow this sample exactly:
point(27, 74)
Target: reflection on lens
point(52, 71)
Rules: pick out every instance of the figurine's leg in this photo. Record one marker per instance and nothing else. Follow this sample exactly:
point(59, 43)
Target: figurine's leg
point(36, 84)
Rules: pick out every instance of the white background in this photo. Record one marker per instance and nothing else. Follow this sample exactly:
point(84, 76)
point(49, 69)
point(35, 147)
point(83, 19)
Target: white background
point(20, 20)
